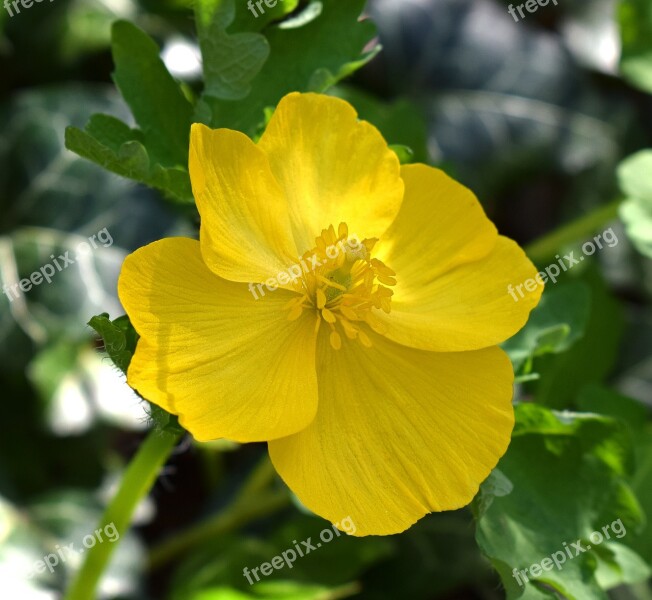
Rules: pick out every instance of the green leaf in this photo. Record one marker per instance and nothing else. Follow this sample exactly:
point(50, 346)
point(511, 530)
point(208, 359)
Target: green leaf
point(157, 156)
point(635, 18)
point(585, 456)
point(642, 486)
point(599, 399)
point(635, 178)
point(636, 417)
point(591, 358)
point(119, 338)
point(405, 153)
point(105, 143)
point(554, 326)
point(230, 61)
point(618, 564)
point(163, 420)
point(159, 106)
point(331, 40)
point(495, 486)
point(99, 143)
point(112, 132)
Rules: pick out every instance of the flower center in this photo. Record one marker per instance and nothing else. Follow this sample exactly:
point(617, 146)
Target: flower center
point(343, 283)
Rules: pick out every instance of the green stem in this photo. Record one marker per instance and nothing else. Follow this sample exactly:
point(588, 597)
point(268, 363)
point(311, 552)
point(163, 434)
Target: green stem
point(136, 483)
point(542, 249)
point(212, 465)
point(252, 502)
point(259, 478)
point(345, 591)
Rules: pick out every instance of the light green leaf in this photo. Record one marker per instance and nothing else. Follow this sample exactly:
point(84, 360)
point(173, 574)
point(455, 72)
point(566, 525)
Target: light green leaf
point(635, 175)
point(635, 178)
point(618, 564)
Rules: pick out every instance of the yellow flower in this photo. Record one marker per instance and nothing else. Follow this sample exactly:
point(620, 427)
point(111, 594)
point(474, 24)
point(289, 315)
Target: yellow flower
point(374, 374)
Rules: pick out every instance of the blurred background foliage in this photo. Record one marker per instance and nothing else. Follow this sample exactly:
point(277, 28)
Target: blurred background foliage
point(547, 119)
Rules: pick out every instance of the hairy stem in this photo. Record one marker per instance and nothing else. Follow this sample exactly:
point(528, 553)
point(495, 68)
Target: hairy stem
point(136, 483)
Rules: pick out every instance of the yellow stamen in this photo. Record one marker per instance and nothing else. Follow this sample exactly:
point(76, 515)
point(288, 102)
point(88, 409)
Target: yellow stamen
point(364, 339)
point(336, 340)
point(321, 299)
point(329, 317)
point(345, 286)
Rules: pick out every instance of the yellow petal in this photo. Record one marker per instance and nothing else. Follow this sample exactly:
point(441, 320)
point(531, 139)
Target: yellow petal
point(453, 270)
point(230, 366)
point(441, 223)
point(332, 167)
point(399, 433)
point(467, 308)
point(245, 228)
